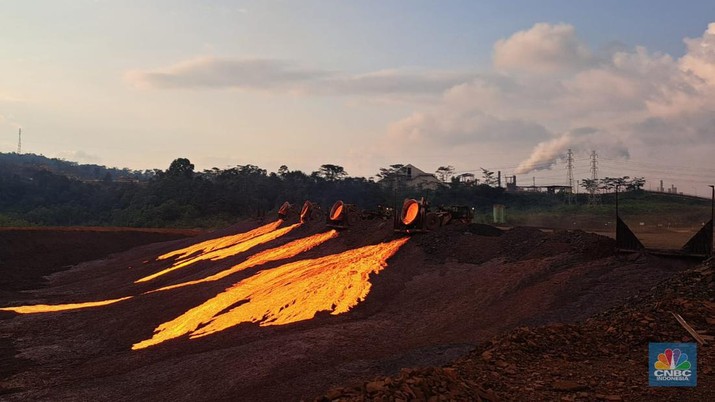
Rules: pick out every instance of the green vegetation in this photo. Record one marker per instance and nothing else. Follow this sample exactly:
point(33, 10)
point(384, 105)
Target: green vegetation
point(35, 190)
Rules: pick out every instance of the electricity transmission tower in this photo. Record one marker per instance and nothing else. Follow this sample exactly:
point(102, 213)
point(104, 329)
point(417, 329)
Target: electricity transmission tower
point(569, 166)
point(593, 191)
point(19, 141)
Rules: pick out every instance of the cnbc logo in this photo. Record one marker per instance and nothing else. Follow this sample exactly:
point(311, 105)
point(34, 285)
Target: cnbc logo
point(672, 364)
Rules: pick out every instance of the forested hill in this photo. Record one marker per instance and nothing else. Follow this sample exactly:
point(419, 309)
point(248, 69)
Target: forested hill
point(35, 190)
point(25, 165)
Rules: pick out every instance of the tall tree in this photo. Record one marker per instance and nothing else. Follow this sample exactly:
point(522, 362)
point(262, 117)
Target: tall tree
point(181, 167)
point(331, 172)
point(635, 184)
point(390, 172)
point(488, 177)
point(444, 173)
point(590, 185)
point(614, 183)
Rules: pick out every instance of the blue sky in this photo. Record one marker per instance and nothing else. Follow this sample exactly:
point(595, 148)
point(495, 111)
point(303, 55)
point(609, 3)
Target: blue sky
point(500, 85)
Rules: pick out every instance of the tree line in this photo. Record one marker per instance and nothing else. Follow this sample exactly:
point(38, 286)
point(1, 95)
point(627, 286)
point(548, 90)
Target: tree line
point(35, 190)
point(40, 191)
point(611, 184)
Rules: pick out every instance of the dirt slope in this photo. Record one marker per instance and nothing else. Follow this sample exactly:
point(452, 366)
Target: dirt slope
point(442, 293)
point(601, 359)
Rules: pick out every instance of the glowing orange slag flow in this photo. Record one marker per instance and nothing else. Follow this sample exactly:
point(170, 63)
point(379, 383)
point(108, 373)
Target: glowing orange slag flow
point(223, 252)
point(221, 242)
point(49, 308)
point(292, 292)
point(279, 253)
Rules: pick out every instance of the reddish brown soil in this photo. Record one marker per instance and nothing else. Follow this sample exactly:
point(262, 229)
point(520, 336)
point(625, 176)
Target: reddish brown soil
point(601, 359)
point(28, 254)
point(443, 293)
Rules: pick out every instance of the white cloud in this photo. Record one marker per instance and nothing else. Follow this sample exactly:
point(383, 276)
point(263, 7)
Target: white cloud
point(281, 76)
point(213, 72)
point(630, 98)
point(393, 82)
point(547, 92)
point(700, 58)
point(460, 128)
point(544, 48)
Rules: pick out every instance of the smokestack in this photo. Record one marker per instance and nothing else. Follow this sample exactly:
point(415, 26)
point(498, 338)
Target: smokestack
point(498, 178)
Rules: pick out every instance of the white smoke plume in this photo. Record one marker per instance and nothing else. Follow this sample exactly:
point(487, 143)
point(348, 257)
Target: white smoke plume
point(548, 92)
point(581, 140)
point(545, 155)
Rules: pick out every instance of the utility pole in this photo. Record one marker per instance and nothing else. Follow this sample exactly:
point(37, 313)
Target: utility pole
point(569, 166)
point(19, 141)
point(593, 191)
point(712, 217)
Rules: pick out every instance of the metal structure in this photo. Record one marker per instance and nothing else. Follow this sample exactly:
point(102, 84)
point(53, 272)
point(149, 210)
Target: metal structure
point(19, 141)
point(284, 210)
point(306, 213)
point(699, 246)
point(342, 215)
point(462, 213)
point(417, 216)
point(593, 191)
point(413, 217)
point(625, 238)
point(569, 167)
point(702, 242)
point(380, 212)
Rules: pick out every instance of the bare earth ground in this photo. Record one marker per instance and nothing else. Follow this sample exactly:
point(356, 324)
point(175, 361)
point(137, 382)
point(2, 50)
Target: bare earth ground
point(442, 295)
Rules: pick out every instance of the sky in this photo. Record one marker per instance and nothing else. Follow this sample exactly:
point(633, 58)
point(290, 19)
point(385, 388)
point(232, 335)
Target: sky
point(507, 86)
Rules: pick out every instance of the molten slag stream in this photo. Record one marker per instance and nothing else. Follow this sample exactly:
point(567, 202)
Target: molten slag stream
point(224, 251)
point(292, 292)
point(215, 249)
point(288, 250)
point(221, 242)
point(48, 308)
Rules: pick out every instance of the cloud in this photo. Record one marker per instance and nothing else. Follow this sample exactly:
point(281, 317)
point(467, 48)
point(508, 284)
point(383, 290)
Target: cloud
point(213, 72)
point(700, 58)
point(456, 128)
point(611, 103)
point(544, 48)
point(546, 92)
point(395, 81)
point(281, 76)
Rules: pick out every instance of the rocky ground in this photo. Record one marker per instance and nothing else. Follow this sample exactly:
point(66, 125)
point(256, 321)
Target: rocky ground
point(603, 358)
point(472, 312)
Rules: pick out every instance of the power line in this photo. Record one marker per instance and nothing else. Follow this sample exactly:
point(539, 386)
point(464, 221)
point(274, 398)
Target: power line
point(569, 167)
point(593, 190)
